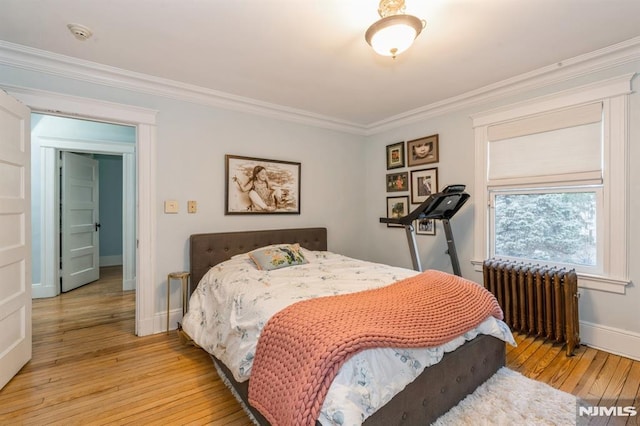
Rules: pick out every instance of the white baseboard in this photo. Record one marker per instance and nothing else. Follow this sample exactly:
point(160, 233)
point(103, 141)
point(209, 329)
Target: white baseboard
point(147, 326)
point(39, 291)
point(160, 320)
point(129, 284)
point(111, 260)
point(609, 339)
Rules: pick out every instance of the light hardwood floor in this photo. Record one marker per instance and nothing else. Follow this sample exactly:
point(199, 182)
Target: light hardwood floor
point(89, 368)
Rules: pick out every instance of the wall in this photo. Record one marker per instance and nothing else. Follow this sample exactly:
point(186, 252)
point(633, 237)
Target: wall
point(191, 167)
point(192, 143)
point(110, 197)
point(614, 329)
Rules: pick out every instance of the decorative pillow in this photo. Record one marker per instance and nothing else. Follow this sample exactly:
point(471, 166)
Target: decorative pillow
point(277, 256)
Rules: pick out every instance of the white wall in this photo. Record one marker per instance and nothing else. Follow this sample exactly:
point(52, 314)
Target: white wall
point(191, 167)
point(608, 320)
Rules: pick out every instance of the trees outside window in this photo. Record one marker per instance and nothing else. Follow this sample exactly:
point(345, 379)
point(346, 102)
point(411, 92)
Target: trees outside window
point(557, 227)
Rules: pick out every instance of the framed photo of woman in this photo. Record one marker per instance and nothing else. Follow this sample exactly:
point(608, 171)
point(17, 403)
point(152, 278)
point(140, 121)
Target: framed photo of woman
point(259, 186)
point(423, 151)
point(423, 183)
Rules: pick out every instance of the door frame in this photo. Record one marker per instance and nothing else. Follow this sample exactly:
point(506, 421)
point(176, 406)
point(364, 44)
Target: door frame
point(147, 322)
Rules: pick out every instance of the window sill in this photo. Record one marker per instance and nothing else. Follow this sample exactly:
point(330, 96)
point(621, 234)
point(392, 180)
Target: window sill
point(591, 282)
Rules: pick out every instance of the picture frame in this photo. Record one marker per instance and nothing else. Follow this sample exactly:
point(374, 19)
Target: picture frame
point(395, 155)
point(398, 182)
point(423, 151)
point(424, 182)
point(397, 207)
point(425, 226)
point(261, 186)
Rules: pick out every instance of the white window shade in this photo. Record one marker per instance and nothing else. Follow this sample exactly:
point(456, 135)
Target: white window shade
point(560, 146)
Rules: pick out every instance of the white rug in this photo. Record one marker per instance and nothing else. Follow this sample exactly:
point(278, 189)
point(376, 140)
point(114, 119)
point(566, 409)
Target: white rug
point(509, 398)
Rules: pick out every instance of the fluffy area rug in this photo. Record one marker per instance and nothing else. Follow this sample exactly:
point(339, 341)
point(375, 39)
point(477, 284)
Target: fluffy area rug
point(509, 398)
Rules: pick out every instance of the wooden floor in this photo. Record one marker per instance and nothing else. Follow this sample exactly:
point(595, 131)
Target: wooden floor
point(89, 368)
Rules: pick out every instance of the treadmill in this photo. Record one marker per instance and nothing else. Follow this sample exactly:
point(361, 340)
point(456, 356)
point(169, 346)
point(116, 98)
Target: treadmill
point(440, 206)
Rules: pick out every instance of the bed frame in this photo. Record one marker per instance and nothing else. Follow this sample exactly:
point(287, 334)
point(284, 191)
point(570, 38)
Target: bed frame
point(432, 394)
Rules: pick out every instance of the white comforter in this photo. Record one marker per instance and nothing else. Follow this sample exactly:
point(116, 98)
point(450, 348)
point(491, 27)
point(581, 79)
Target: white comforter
point(234, 300)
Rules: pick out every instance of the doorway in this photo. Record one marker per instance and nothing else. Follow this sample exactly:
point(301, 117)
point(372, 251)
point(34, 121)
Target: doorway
point(52, 135)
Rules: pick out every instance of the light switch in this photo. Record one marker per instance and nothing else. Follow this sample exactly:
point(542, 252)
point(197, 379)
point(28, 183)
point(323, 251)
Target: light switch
point(171, 206)
point(192, 206)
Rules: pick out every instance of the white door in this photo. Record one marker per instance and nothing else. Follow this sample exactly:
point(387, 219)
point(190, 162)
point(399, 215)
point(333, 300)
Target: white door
point(15, 237)
point(80, 221)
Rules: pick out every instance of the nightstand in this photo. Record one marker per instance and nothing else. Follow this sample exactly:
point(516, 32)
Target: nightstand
point(184, 279)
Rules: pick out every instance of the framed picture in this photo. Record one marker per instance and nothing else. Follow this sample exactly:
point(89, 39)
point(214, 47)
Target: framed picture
point(395, 155)
point(259, 186)
point(423, 151)
point(397, 182)
point(397, 207)
point(425, 226)
point(423, 183)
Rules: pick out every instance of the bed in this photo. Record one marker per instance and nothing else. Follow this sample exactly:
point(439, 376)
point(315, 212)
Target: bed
point(438, 388)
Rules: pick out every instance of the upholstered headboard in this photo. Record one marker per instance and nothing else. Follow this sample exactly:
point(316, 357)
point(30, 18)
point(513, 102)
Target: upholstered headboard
point(207, 250)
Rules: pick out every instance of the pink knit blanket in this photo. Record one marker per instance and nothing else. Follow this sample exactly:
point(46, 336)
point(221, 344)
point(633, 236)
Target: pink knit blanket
point(302, 347)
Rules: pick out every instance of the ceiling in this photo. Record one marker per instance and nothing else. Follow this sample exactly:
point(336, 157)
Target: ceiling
point(311, 56)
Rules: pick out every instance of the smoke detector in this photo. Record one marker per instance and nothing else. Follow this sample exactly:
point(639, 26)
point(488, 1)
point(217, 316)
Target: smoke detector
point(80, 31)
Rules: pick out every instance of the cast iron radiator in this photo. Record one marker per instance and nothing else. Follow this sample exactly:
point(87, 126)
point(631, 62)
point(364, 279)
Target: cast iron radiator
point(536, 300)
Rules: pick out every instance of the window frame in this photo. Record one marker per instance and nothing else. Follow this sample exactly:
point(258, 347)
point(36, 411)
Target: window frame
point(614, 95)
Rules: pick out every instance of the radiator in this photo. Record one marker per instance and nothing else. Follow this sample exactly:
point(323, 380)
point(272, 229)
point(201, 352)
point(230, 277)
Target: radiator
point(536, 300)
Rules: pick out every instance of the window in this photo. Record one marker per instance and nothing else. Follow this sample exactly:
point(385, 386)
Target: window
point(553, 226)
point(551, 183)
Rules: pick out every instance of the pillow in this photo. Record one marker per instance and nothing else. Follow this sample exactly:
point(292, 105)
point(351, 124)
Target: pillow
point(310, 255)
point(277, 256)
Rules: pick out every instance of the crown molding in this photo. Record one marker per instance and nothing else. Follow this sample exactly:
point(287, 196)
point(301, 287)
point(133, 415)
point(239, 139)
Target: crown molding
point(599, 60)
point(31, 59)
point(27, 58)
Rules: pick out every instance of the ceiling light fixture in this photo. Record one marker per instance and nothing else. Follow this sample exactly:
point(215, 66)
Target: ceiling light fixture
point(395, 31)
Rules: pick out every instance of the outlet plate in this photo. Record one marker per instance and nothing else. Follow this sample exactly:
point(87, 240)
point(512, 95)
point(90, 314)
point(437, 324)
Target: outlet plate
point(192, 206)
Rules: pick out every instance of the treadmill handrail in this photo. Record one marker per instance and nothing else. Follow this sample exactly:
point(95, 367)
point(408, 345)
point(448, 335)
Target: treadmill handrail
point(441, 205)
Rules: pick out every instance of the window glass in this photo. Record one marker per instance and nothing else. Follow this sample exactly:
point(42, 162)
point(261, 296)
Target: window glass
point(555, 227)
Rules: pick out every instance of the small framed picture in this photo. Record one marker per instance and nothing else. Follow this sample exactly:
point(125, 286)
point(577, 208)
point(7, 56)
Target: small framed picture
point(423, 151)
point(395, 155)
point(397, 182)
point(397, 207)
point(425, 226)
point(423, 183)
